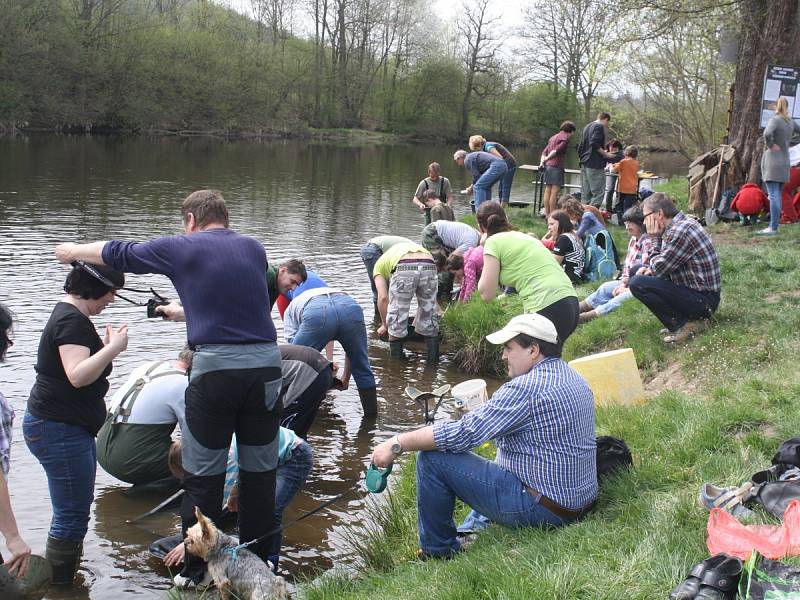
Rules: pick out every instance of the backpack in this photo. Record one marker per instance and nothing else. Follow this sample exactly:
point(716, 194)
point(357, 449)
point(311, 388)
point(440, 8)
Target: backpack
point(612, 454)
point(599, 262)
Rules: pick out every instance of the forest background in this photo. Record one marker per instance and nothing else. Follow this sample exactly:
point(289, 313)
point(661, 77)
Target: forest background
point(291, 67)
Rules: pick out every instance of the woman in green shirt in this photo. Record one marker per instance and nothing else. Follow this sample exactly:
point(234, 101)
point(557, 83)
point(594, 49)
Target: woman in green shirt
point(512, 258)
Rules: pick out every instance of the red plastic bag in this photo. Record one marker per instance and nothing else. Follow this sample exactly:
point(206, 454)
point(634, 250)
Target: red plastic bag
point(726, 534)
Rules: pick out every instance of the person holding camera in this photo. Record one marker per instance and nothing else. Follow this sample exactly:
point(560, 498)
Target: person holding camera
point(66, 408)
point(235, 381)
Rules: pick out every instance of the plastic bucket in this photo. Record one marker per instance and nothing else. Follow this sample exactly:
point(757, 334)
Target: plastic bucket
point(470, 394)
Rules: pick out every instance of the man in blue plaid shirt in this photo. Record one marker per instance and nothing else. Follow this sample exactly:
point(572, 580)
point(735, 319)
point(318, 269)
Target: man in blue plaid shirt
point(542, 422)
point(681, 281)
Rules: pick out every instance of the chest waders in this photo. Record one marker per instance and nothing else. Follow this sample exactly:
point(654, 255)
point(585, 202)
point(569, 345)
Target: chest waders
point(135, 452)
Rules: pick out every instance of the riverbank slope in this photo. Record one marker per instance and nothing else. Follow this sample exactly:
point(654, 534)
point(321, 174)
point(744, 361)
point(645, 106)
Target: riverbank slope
point(719, 407)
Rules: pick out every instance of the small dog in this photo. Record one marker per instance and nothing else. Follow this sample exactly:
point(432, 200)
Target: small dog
point(239, 572)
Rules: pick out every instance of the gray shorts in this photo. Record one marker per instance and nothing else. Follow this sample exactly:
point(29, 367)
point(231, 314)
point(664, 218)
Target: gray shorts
point(554, 176)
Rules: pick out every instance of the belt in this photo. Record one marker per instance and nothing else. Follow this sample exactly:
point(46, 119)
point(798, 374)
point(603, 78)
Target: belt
point(557, 509)
point(426, 265)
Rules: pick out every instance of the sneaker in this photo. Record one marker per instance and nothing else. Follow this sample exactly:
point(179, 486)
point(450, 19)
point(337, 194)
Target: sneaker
point(728, 499)
point(187, 582)
point(685, 331)
point(767, 231)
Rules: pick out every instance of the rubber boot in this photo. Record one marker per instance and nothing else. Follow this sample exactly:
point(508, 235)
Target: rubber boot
point(432, 347)
point(64, 556)
point(369, 401)
point(396, 349)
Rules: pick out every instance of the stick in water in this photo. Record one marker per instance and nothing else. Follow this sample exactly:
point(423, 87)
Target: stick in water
point(154, 510)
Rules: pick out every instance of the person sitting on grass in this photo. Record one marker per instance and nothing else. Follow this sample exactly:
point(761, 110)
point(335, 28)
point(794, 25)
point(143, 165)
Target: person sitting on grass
point(467, 269)
point(750, 202)
point(609, 296)
point(567, 248)
point(542, 422)
point(680, 282)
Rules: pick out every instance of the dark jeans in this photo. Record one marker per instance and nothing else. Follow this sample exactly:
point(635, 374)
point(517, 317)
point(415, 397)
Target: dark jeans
point(300, 414)
point(674, 305)
point(625, 202)
point(564, 314)
point(69, 457)
point(370, 253)
point(291, 476)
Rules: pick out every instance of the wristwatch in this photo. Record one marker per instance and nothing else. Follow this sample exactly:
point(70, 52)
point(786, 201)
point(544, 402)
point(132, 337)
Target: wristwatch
point(397, 448)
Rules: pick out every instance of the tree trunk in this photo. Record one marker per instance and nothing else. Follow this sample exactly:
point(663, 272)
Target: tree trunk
point(770, 30)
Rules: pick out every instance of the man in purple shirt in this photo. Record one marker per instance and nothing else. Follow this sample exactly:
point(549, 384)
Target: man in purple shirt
point(236, 371)
point(542, 422)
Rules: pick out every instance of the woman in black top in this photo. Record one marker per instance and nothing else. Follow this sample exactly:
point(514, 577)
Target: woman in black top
point(568, 249)
point(66, 408)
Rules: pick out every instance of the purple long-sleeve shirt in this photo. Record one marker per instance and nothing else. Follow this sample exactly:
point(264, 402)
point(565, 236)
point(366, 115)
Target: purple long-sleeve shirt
point(219, 275)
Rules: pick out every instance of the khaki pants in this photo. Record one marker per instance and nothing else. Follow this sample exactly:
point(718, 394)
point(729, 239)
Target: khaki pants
point(415, 279)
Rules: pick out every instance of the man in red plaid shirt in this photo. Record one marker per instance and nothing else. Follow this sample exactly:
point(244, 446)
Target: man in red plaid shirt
point(681, 281)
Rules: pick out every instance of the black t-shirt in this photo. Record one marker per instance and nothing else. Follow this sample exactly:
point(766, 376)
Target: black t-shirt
point(574, 254)
point(53, 397)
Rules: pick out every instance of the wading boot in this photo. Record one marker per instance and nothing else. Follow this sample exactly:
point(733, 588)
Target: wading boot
point(64, 556)
point(432, 348)
point(369, 401)
point(396, 349)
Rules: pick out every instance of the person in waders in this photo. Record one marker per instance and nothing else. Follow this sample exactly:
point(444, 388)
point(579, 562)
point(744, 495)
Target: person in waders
point(134, 441)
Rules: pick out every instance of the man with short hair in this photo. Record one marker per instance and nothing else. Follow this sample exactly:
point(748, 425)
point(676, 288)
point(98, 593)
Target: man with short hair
point(306, 378)
point(235, 379)
point(436, 183)
point(542, 422)
point(133, 443)
point(286, 277)
point(681, 281)
point(439, 211)
point(593, 157)
point(372, 251)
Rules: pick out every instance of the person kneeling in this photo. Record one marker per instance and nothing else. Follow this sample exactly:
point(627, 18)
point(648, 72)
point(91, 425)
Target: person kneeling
point(542, 422)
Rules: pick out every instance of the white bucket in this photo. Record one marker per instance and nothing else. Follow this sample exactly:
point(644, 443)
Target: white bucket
point(470, 394)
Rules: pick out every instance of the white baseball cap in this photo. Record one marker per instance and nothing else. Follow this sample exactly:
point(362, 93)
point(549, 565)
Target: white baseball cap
point(534, 325)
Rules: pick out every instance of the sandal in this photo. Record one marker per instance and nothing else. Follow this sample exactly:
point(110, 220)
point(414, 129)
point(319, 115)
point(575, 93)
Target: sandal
point(721, 583)
point(729, 499)
point(688, 588)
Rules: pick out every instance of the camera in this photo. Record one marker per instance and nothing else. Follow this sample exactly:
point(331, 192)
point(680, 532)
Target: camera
point(152, 303)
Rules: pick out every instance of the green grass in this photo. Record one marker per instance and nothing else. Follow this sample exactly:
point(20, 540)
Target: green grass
point(733, 394)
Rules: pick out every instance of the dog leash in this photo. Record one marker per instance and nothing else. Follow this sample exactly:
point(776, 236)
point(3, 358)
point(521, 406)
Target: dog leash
point(235, 550)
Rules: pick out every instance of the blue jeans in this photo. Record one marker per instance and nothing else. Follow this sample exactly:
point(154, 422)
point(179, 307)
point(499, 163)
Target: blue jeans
point(505, 184)
point(774, 191)
point(370, 253)
point(69, 457)
point(603, 301)
point(290, 477)
point(339, 318)
point(490, 490)
point(482, 188)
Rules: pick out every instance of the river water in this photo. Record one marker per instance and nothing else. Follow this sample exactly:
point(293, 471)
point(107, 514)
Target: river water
point(319, 201)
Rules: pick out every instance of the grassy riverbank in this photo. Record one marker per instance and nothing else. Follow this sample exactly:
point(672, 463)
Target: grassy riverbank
point(720, 405)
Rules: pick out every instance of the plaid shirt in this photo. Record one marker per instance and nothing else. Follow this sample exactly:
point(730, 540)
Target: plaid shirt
point(685, 255)
point(6, 423)
point(638, 252)
point(543, 425)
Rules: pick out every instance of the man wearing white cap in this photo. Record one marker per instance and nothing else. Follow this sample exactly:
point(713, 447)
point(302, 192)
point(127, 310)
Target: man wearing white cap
point(542, 422)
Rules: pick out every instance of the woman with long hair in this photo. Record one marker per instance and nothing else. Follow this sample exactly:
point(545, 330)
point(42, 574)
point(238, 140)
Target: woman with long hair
point(775, 161)
point(567, 248)
point(66, 407)
point(515, 259)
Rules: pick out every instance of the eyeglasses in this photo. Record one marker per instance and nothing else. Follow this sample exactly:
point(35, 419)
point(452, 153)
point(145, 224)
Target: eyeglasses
point(652, 212)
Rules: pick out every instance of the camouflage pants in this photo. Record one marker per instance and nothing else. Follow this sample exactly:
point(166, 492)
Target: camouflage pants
point(407, 281)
